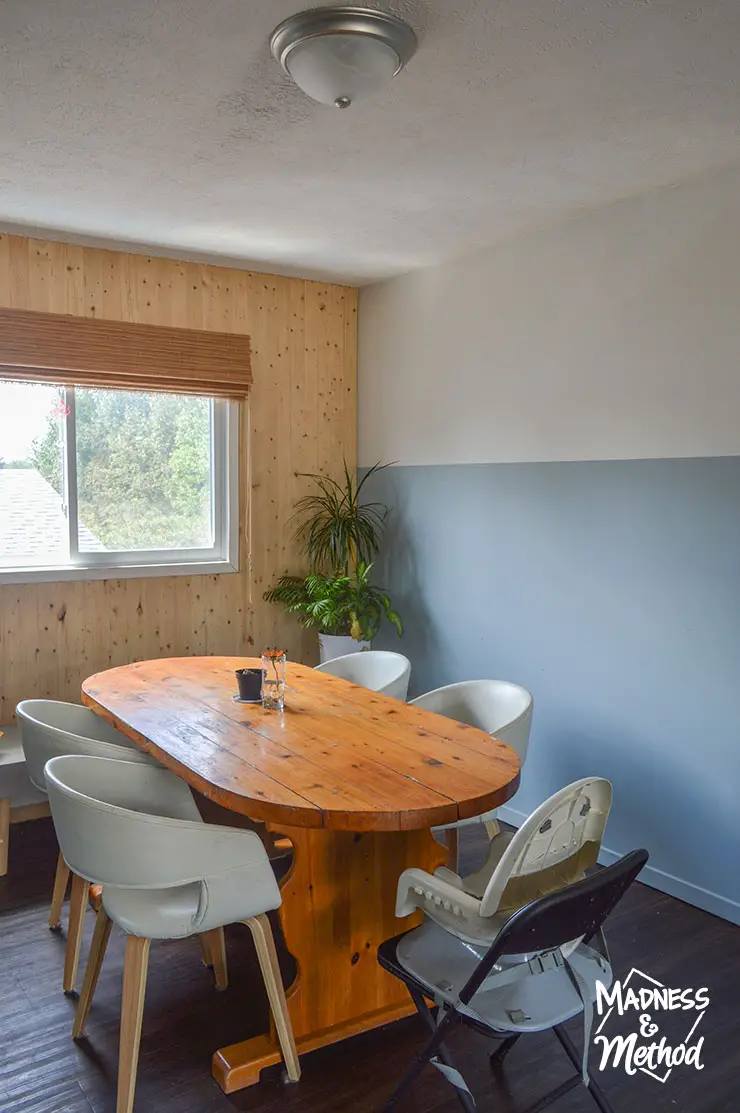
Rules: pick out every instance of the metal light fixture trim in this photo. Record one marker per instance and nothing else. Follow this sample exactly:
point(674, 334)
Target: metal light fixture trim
point(318, 23)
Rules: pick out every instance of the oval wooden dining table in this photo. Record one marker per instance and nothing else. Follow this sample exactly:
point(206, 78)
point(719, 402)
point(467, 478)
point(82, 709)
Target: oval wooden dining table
point(354, 779)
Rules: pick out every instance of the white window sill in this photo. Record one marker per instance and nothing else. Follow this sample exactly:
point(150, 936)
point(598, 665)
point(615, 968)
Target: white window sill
point(51, 574)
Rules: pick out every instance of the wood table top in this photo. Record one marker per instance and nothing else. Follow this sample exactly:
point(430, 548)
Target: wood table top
point(339, 756)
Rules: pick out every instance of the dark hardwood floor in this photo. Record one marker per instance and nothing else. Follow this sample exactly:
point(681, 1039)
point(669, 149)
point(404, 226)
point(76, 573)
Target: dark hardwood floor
point(185, 1019)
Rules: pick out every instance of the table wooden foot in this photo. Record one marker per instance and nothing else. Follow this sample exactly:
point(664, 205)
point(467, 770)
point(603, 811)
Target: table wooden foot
point(241, 1064)
point(338, 906)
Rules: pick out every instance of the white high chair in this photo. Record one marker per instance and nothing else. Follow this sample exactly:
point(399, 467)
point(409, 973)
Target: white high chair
point(542, 969)
point(551, 849)
point(376, 669)
point(165, 875)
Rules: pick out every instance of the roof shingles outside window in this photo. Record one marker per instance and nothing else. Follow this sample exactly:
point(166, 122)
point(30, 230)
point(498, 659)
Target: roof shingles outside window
point(32, 520)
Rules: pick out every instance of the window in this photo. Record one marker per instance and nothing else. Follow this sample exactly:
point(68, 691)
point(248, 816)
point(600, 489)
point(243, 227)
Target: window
point(97, 483)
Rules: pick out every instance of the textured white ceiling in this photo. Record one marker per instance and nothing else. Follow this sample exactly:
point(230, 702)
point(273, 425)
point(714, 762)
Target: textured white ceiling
point(166, 123)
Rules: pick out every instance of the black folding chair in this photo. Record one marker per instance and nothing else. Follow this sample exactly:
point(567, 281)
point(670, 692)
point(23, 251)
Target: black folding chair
point(542, 928)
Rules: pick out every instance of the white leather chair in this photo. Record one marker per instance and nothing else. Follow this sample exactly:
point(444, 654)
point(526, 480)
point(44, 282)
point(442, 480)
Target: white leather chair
point(134, 829)
point(376, 669)
point(50, 728)
point(551, 849)
point(502, 709)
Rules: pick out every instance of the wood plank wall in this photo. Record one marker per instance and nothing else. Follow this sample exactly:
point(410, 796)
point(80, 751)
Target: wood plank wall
point(300, 417)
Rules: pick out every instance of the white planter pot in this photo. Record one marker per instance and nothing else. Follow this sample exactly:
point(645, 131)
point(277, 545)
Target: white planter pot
point(336, 645)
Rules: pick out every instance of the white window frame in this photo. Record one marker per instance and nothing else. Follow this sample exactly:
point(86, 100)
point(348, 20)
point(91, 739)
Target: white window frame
point(221, 557)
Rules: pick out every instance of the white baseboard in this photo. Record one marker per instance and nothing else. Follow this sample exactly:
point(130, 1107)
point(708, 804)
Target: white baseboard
point(657, 879)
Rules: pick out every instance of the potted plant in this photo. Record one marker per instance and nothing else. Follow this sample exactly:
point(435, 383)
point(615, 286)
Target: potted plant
point(345, 610)
point(340, 535)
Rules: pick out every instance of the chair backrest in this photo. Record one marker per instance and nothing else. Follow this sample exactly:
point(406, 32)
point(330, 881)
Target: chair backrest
point(499, 707)
point(129, 825)
point(555, 920)
point(377, 669)
point(552, 848)
point(50, 728)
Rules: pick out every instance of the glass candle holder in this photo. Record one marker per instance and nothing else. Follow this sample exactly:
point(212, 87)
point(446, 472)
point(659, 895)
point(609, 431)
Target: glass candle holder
point(273, 679)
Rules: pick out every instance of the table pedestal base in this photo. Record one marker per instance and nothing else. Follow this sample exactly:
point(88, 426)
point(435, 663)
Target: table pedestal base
point(338, 906)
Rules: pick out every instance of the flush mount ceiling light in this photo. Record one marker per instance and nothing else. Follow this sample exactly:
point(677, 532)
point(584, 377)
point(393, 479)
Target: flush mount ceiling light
point(338, 55)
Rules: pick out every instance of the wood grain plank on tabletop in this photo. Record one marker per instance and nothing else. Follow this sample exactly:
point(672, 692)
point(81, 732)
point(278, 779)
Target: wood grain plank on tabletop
point(382, 774)
point(339, 706)
point(384, 711)
point(174, 721)
point(481, 780)
point(332, 721)
point(176, 733)
point(383, 786)
point(217, 773)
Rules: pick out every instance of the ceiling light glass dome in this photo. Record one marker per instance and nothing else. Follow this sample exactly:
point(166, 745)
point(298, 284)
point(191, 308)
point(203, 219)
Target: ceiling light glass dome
point(340, 55)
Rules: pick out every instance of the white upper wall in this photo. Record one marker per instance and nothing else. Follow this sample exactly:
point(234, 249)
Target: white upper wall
point(613, 336)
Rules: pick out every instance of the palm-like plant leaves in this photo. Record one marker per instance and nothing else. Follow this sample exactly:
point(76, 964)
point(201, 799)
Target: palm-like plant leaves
point(340, 535)
point(337, 531)
point(336, 604)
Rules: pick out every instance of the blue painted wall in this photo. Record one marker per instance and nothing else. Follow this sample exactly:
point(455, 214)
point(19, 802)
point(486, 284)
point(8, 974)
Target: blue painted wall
point(611, 590)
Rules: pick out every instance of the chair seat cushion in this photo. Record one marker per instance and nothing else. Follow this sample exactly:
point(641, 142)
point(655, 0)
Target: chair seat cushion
point(154, 913)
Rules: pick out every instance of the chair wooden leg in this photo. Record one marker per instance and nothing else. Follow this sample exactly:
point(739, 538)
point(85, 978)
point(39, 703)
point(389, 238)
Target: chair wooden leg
point(59, 892)
point(4, 834)
point(132, 1008)
point(77, 909)
point(214, 945)
point(493, 828)
point(94, 962)
point(268, 960)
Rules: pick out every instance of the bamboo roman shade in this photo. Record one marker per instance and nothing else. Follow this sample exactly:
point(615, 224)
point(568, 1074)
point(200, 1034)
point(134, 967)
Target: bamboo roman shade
point(87, 351)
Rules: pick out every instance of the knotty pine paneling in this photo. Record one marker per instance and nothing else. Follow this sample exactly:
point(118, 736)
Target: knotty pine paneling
point(300, 417)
